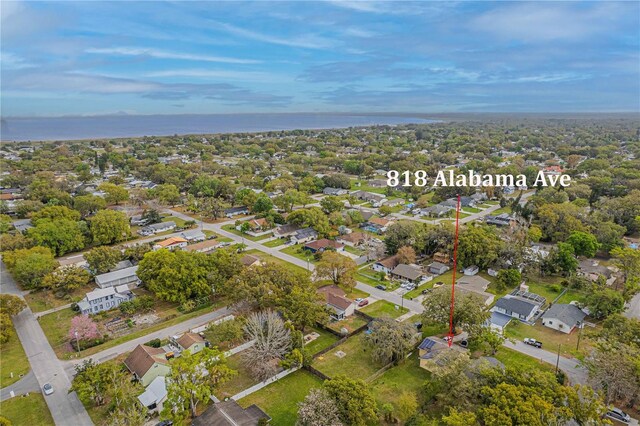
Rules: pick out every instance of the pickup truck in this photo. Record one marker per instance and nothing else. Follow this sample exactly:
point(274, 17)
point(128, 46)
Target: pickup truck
point(532, 342)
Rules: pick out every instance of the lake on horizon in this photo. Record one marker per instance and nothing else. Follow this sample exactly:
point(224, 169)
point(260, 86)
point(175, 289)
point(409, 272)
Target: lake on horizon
point(117, 126)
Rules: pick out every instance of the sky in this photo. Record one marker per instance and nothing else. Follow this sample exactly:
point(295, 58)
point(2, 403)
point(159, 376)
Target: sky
point(94, 58)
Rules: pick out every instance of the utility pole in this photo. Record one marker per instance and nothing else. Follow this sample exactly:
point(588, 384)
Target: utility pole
point(580, 325)
point(558, 359)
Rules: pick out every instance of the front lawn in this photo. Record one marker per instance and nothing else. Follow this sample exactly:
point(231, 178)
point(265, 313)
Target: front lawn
point(29, 410)
point(269, 258)
point(232, 228)
point(12, 360)
point(518, 360)
point(280, 399)
point(471, 210)
point(550, 338)
point(353, 250)
point(299, 252)
point(275, 243)
point(382, 308)
point(356, 363)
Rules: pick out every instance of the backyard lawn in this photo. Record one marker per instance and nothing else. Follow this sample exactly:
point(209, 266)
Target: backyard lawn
point(356, 363)
point(12, 360)
point(29, 410)
point(280, 399)
point(326, 339)
point(241, 381)
point(382, 308)
point(445, 278)
point(405, 377)
point(351, 323)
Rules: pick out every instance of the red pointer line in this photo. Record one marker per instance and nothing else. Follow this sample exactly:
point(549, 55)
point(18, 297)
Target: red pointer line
point(455, 267)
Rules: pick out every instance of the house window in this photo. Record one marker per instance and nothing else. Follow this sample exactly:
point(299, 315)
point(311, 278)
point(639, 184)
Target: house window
point(550, 322)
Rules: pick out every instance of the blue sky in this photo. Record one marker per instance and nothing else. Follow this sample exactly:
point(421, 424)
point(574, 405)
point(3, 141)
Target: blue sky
point(70, 58)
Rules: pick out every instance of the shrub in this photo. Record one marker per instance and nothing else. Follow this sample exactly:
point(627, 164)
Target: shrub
point(154, 343)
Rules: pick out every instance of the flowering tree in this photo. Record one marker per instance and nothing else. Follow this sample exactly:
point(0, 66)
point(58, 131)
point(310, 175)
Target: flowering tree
point(83, 328)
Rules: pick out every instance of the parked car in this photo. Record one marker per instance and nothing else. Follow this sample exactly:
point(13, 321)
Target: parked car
point(47, 389)
point(532, 342)
point(418, 325)
point(619, 415)
point(359, 299)
point(165, 423)
point(363, 302)
point(426, 290)
point(381, 287)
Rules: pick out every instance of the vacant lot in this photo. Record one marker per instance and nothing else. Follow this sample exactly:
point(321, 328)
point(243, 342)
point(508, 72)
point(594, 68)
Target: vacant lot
point(351, 323)
point(269, 258)
point(405, 377)
point(356, 363)
point(280, 399)
point(511, 358)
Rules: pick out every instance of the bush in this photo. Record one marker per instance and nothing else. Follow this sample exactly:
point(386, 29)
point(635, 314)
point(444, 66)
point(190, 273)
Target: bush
point(137, 305)
point(226, 334)
point(155, 343)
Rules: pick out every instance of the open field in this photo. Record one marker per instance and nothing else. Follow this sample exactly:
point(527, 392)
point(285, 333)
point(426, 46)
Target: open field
point(280, 399)
point(274, 243)
point(241, 381)
point(12, 360)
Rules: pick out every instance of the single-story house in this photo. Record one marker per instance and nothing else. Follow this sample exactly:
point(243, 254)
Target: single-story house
point(154, 395)
point(436, 211)
point(428, 351)
point(375, 199)
point(386, 265)
point(486, 298)
point(249, 260)
point(236, 211)
point(147, 363)
point(171, 243)
point(193, 235)
point(156, 228)
point(498, 321)
point(437, 268)
point(322, 245)
point(592, 270)
point(382, 224)
point(477, 285)
point(304, 235)
point(353, 239)
point(471, 270)
point(230, 413)
point(563, 317)
point(337, 302)
point(123, 276)
point(515, 307)
point(104, 299)
point(284, 231)
point(191, 342)
point(377, 183)
point(334, 191)
point(138, 220)
point(503, 219)
point(256, 226)
point(412, 273)
point(393, 202)
point(202, 247)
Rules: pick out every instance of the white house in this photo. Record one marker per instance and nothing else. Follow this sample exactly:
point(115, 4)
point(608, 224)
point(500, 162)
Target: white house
point(471, 270)
point(193, 235)
point(154, 396)
point(104, 299)
point(515, 307)
point(563, 317)
point(156, 228)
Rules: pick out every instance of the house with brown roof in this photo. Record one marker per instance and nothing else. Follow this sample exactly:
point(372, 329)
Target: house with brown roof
point(230, 413)
point(340, 306)
point(257, 227)
point(191, 342)
point(203, 247)
point(353, 239)
point(249, 260)
point(322, 245)
point(171, 243)
point(147, 363)
point(386, 265)
point(412, 273)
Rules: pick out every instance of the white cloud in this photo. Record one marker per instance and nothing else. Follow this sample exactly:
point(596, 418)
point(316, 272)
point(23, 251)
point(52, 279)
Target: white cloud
point(309, 41)
point(217, 74)
point(163, 54)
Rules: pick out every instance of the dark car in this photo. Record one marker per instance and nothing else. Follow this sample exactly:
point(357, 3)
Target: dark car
point(165, 423)
point(381, 287)
point(619, 415)
point(418, 325)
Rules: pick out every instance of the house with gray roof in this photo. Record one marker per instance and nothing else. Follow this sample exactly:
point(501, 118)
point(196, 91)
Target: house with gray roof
point(515, 307)
point(411, 273)
point(104, 299)
point(155, 228)
point(563, 317)
point(122, 276)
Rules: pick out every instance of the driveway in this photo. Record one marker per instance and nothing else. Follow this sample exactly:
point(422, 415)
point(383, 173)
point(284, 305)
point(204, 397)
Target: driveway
point(65, 407)
point(633, 308)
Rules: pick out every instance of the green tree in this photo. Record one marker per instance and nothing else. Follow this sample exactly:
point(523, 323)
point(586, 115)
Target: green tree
point(167, 194)
point(508, 278)
point(385, 210)
point(312, 217)
point(331, 204)
point(263, 204)
point(459, 418)
point(54, 213)
point(192, 380)
point(339, 269)
point(584, 243)
point(60, 235)
point(114, 194)
point(64, 280)
point(389, 340)
point(603, 302)
point(110, 226)
point(356, 405)
point(88, 204)
point(478, 245)
point(30, 266)
point(564, 258)
point(102, 259)
point(10, 305)
point(407, 404)
point(468, 311)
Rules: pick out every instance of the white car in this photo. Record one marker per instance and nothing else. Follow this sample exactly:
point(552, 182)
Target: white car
point(619, 415)
point(47, 389)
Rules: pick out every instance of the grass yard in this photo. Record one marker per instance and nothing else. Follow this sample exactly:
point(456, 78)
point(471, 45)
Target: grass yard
point(350, 323)
point(501, 210)
point(369, 276)
point(382, 308)
point(300, 253)
point(511, 358)
point(268, 258)
point(353, 250)
point(178, 221)
point(445, 278)
point(354, 293)
point(572, 295)
point(12, 360)
point(405, 377)
point(547, 287)
point(280, 399)
point(471, 210)
point(356, 364)
point(30, 410)
point(550, 338)
point(44, 300)
point(326, 339)
point(241, 381)
point(231, 228)
point(275, 243)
